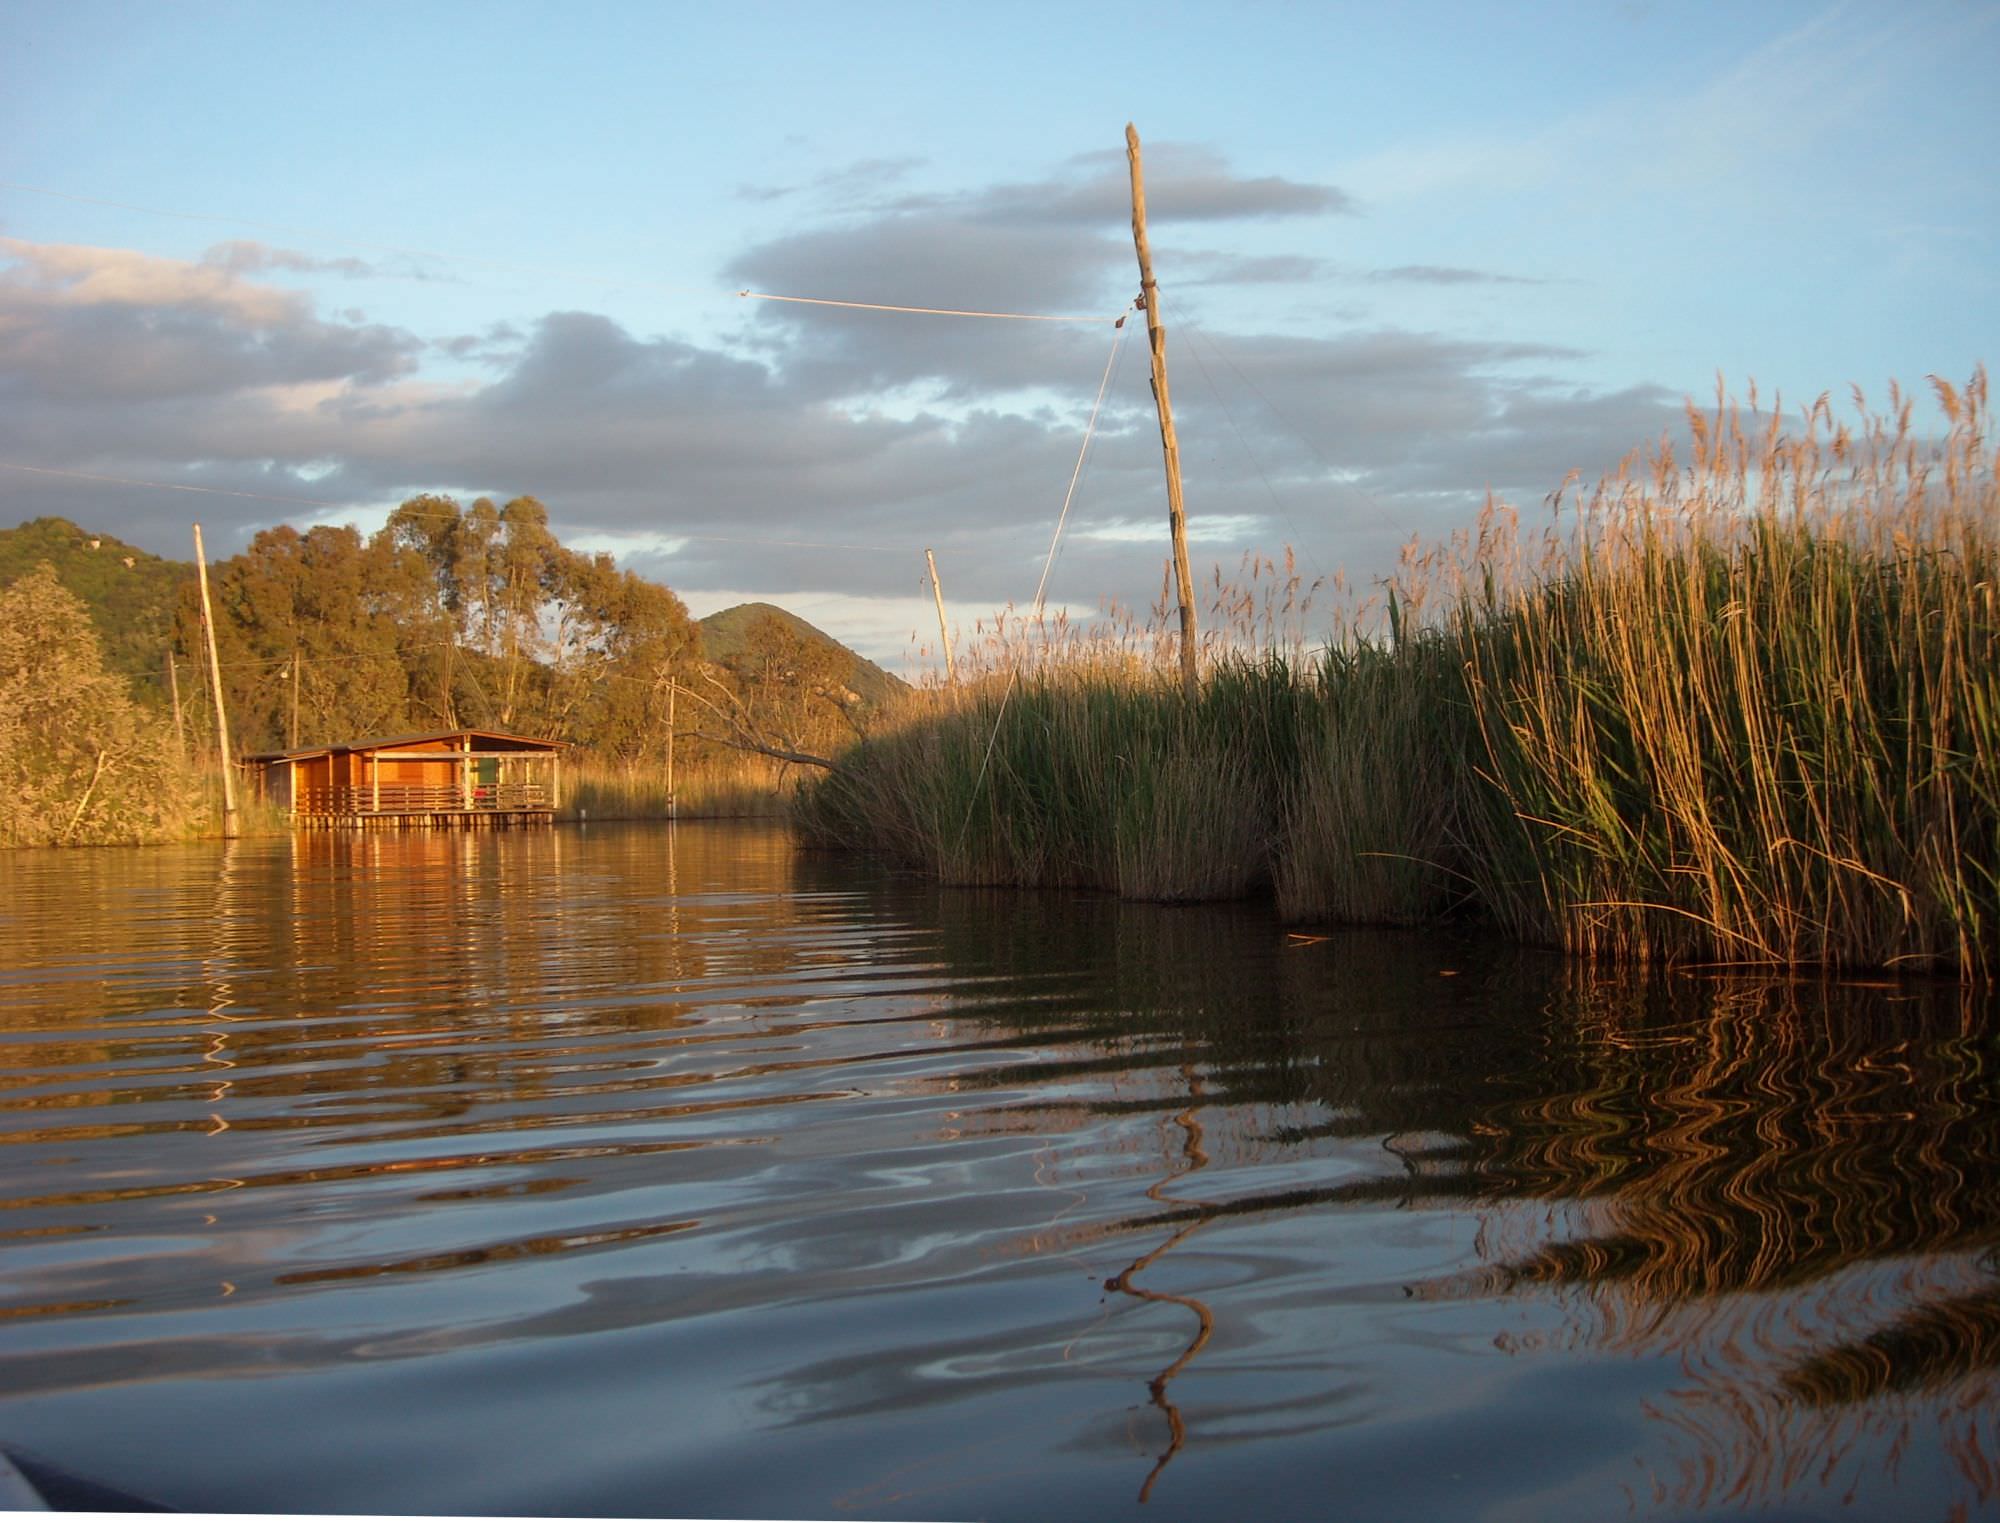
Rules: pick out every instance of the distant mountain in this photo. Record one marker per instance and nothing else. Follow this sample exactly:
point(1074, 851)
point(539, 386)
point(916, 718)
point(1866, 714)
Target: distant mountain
point(725, 634)
point(131, 593)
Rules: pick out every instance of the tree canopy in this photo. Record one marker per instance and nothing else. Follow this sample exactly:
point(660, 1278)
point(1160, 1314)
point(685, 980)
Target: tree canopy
point(446, 616)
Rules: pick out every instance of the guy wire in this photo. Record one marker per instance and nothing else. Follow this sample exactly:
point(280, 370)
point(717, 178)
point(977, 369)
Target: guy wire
point(1041, 589)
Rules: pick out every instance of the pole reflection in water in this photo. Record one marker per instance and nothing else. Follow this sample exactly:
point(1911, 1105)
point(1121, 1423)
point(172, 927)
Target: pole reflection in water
point(667, 1171)
point(1156, 1388)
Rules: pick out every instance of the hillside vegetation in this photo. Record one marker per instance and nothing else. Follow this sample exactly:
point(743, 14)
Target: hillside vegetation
point(80, 763)
point(728, 637)
point(129, 593)
point(449, 615)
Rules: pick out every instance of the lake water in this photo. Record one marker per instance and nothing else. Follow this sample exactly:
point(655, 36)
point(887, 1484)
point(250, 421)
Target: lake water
point(673, 1172)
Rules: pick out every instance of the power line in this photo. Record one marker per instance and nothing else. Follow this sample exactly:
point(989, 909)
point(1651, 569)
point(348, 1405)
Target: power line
point(1048, 565)
point(1089, 432)
point(715, 539)
point(1116, 318)
point(336, 237)
point(165, 486)
point(513, 267)
point(337, 507)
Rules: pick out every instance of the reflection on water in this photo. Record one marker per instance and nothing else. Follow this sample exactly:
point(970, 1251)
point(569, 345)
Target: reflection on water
point(670, 1172)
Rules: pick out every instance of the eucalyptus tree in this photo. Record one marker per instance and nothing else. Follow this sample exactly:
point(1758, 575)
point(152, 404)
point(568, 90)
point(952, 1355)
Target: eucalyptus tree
point(430, 531)
point(447, 615)
point(646, 652)
point(310, 636)
point(530, 582)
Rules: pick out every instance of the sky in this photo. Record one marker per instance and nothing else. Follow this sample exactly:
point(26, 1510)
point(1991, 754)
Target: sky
point(313, 259)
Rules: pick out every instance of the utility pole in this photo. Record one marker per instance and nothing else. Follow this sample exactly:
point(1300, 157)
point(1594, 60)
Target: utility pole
point(1170, 445)
point(215, 678)
point(944, 635)
point(295, 699)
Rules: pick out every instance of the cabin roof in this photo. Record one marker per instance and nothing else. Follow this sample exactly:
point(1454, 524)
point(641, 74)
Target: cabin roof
point(391, 742)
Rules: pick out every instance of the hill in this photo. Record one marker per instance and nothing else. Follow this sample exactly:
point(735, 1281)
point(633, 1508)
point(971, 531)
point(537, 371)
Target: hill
point(131, 593)
point(725, 634)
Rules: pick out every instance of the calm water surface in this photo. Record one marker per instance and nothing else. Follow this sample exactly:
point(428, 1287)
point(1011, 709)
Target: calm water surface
point(659, 1171)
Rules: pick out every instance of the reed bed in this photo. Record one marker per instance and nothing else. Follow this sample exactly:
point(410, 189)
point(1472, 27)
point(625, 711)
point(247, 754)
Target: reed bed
point(1741, 709)
point(726, 787)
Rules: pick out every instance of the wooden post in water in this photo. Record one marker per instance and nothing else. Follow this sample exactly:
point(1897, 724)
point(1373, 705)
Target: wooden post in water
point(944, 635)
point(1170, 445)
point(215, 676)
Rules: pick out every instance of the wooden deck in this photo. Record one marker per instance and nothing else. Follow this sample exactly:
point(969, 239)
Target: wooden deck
point(404, 806)
point(463, 779)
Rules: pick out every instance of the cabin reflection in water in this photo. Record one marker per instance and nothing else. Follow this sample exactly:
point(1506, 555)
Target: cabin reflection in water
point(443, 778)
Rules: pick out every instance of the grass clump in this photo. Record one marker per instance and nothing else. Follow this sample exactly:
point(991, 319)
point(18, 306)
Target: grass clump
point(1741, 710)
point(1373, 821)
point(1075, 775)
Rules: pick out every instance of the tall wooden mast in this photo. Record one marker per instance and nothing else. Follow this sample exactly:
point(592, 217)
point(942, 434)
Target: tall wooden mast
point(215, 677)
point(1149, 296)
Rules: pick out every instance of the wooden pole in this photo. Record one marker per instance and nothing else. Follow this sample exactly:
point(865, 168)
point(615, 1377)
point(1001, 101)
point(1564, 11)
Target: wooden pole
point(215, 677)
point(1149, 297)
point(944, 635)
point(295, 699)
point(174, 687)
point(673, 691)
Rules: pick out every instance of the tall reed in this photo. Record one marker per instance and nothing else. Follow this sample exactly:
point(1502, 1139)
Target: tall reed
point(1742, 709)
point(720, 788)
point(1751, 710)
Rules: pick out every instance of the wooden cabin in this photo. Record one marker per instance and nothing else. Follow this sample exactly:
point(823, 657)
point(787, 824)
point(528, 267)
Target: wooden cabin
point(447, 778)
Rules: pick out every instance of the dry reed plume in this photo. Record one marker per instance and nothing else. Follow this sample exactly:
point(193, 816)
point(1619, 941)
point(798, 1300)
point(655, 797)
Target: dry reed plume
point(727, 787)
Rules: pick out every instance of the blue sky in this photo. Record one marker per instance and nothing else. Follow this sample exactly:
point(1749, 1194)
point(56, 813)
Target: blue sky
point(345, 253)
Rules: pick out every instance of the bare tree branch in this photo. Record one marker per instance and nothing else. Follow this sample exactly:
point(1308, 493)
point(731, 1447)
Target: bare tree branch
point(776, 753)
point(743, 735)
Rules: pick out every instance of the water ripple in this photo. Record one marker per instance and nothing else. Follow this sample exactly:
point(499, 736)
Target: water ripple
point(569, 1171)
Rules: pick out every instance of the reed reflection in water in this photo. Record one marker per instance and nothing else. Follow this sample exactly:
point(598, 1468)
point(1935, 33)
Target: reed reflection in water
point(670, 1172)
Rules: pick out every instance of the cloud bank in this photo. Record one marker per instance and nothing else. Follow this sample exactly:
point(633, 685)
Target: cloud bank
point(820, 450)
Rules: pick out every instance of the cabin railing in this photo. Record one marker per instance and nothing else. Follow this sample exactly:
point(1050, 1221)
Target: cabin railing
point(421, 798)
